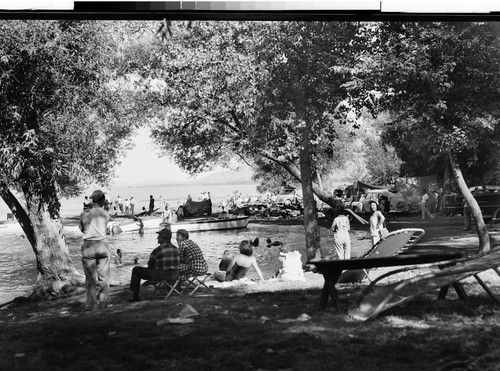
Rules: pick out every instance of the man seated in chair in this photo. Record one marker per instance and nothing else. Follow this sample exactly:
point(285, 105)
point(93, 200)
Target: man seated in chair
point(163, 264)
point(193, 264)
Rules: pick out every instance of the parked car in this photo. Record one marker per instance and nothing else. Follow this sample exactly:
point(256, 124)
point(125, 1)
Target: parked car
point(398, 202)
point(488, 199)
point(288, 199)
point(453, 204)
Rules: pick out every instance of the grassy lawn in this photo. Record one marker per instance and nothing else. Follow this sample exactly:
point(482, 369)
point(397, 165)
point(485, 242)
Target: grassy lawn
point(244, 332)
point(255, 329)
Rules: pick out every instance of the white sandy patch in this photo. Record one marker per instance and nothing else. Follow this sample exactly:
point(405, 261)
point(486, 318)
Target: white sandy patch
point(406, 322)
point(313, 280)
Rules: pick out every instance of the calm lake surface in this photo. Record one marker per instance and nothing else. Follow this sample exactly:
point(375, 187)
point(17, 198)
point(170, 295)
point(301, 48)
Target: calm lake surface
point(18, 270)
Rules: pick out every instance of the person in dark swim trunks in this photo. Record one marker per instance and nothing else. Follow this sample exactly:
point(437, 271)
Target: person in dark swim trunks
point(241, 263)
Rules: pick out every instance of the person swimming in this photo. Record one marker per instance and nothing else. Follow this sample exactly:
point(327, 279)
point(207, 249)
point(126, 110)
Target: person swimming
point(118, 257)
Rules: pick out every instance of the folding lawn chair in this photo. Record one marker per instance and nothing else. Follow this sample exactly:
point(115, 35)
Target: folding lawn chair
point(165, 288)
point(393, 244)
point(194, 283)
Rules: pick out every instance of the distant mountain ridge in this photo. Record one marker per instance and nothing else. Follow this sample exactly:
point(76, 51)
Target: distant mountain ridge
point(225, 177)
point(216, 178)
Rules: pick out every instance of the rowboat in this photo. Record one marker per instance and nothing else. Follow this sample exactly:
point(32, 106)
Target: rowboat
point(191, 225)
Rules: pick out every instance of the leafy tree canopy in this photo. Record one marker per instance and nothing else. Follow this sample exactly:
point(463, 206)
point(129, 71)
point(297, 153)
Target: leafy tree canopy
point(440, 82)
point(229, 90)
point(60, 125)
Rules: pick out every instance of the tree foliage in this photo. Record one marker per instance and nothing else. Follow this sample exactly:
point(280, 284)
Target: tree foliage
point(61, 127)
point(440, 81)
point(229, 90)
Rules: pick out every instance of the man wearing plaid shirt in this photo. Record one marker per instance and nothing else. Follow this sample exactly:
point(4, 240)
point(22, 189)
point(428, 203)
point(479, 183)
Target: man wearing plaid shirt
point(193, 263)
point(163, 264)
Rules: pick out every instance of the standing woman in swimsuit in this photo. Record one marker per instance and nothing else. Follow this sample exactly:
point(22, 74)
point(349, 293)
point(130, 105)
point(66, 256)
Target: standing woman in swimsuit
point(241, 262)
point(376, 222)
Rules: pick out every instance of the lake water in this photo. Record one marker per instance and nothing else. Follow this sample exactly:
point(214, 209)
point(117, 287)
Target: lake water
point(18, 270)
point(17, 261)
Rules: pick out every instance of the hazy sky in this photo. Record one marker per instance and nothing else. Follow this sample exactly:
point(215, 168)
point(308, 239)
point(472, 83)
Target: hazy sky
point(142, 164)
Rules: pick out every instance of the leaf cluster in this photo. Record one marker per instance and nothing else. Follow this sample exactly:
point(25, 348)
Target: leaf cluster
point(441, 83)
point(232, 88)
point(60, 125)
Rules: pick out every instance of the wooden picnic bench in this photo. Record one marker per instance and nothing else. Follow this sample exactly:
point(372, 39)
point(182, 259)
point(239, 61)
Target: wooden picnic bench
point(332, 269)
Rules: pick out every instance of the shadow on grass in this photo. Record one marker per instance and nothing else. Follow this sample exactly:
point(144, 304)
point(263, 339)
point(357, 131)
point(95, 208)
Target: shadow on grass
point(244, 332)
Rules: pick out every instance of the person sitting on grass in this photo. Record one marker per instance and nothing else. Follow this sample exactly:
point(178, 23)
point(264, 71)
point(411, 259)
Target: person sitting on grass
point(193, 264)
point(163, 264)
point(241, 263)
point(226, 260)
point(224, 263)
point(291, 266)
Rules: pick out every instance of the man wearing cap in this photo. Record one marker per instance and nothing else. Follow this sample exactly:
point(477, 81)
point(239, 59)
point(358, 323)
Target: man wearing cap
point(96, 254)
point(163, 264)
point(193, 263)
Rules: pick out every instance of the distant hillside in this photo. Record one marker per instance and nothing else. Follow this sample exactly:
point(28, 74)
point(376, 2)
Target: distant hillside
point(226, 177)
point(216, 178)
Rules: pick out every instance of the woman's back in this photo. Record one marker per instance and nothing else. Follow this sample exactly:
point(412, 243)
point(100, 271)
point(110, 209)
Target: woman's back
point(240, 267)
point(244, 260)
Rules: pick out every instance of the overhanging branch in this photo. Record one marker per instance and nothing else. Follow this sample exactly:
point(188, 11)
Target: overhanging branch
point(19, 212)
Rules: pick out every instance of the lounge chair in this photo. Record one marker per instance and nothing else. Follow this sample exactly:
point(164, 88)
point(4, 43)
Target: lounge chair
point(394, 243)
point(386, 297)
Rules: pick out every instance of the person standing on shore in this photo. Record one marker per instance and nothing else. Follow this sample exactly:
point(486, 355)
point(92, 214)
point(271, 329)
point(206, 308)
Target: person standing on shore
point(151, 204)
point(126, 205)
point(119, 200)
point(376, 222)
point(96, 254)
point(132, 204)
point(424, 204)
point(342, 240)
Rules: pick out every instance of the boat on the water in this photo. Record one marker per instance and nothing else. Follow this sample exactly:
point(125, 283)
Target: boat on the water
point(191, 225)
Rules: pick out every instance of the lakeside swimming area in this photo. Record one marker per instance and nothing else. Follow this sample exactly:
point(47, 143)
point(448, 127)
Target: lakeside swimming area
point(17, 259)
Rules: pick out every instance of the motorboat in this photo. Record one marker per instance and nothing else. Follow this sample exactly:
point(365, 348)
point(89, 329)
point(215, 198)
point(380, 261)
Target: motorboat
point(190, 224)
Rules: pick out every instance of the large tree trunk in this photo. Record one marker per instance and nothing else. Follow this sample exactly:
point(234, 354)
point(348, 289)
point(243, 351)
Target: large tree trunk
point(313, 247)
point(313, 239)
point(56, 272)
point(482, 231)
